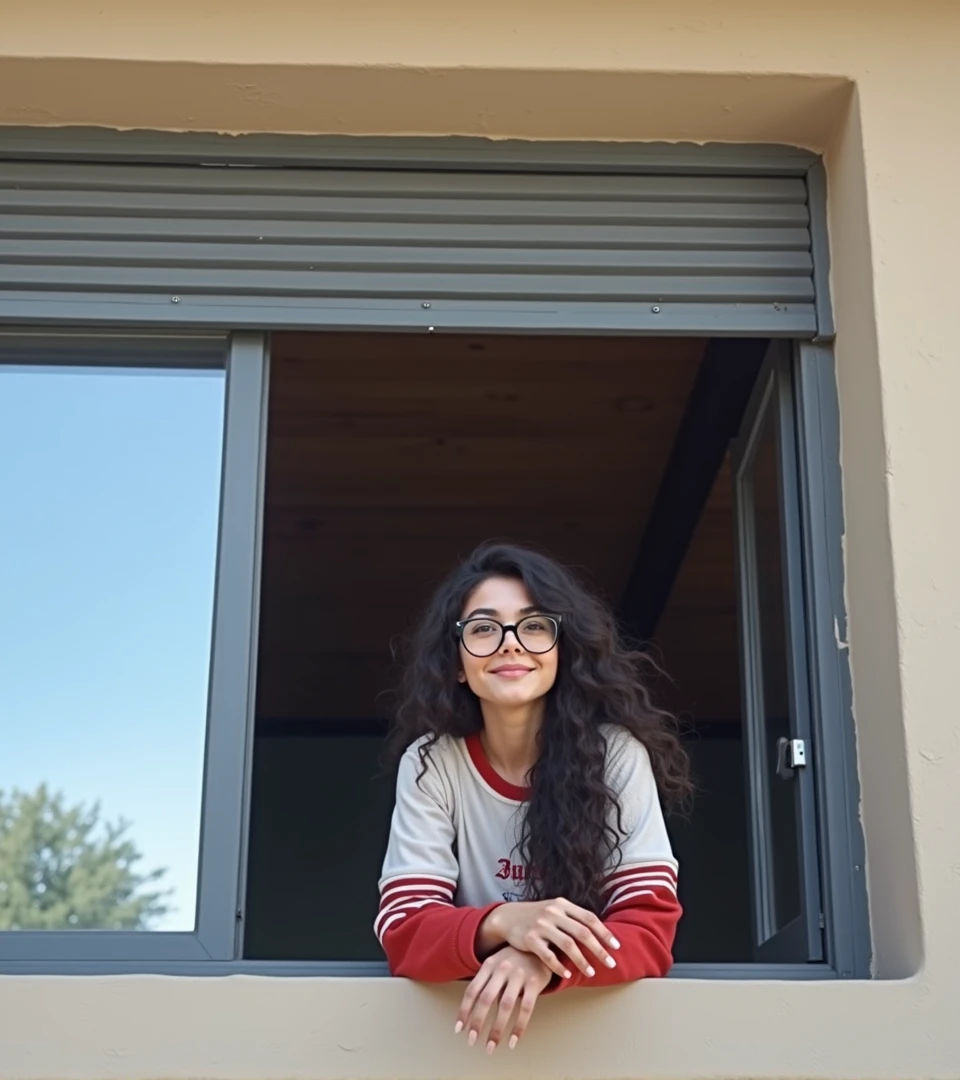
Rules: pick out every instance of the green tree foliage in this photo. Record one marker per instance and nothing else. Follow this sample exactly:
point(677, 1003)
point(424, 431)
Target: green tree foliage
point(61, 869)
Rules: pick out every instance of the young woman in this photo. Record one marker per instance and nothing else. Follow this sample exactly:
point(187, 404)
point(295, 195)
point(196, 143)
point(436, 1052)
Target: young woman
point(527, 850)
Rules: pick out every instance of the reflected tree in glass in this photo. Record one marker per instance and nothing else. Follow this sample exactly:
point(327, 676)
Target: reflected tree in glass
point(62, 868)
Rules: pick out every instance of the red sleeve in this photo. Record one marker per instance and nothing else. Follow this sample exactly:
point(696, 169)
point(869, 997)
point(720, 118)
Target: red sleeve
point(641, 912)
point(424, 935)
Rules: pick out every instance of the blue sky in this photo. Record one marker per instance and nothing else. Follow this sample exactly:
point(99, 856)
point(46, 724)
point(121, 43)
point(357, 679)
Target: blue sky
point(109, 490)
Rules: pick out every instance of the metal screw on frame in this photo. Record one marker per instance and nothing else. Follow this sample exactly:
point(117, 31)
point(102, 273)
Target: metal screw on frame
point(426, 305)
point(656, 309)
point(174, 299)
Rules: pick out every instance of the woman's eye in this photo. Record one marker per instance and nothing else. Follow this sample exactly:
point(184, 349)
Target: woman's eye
point(481, 628)
point(536, 627)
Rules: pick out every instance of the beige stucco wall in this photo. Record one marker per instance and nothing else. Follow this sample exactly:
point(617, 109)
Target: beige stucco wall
point(876, 86)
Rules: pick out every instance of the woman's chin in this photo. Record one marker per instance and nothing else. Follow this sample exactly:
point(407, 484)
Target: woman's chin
point(514, 695)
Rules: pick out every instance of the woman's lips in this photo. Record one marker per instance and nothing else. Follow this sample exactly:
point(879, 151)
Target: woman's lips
point(511, 672)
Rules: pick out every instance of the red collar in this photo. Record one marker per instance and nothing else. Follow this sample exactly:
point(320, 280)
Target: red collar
point(490, 775)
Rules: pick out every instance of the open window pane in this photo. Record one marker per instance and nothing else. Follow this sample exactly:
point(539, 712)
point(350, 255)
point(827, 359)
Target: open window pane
point(760, 486)
point(110, 485)
point(786, 901)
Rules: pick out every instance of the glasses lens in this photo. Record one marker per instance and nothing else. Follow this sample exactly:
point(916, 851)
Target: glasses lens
point(481, 637)
point(537, 633)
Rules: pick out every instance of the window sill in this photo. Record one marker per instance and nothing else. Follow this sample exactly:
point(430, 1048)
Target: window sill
point(683, 1028)
point(285, 969)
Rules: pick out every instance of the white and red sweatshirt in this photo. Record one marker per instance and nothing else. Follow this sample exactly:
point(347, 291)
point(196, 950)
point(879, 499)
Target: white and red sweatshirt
point(452, 858)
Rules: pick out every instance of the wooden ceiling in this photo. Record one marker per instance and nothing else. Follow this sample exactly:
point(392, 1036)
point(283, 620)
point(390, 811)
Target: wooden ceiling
point(390, 457)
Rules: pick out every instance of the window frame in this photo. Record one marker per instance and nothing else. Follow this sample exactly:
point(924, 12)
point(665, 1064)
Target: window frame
point(847, 943)
point(218, 940)
point(229, 700)
point(214, 948)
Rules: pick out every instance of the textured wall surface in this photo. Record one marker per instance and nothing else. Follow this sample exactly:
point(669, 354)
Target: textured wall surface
point(876, 88)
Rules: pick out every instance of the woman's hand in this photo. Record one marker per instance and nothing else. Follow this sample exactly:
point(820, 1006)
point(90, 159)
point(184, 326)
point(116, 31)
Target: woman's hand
point(505, 978)
point(541, 927)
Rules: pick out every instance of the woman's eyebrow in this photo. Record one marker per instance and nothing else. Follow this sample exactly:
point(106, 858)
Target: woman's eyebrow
point(496, 614)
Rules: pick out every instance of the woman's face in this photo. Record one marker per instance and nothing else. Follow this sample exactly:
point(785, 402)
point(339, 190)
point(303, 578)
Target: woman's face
point(511, 676)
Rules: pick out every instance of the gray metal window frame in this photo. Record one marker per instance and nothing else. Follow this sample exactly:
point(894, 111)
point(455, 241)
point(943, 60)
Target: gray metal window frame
point(229, 695)
point(847, 938)
point(773, 394)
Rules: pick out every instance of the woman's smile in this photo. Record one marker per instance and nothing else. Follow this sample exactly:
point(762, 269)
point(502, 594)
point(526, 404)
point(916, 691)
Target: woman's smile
point(511, 671)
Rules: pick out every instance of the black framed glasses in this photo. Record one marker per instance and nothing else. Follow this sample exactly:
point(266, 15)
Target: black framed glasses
point(483, 636)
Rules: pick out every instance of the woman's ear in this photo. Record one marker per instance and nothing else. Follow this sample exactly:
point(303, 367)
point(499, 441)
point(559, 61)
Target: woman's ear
point(461, 676)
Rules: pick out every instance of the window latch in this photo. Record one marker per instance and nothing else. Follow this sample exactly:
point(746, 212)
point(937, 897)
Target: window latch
point(791, 755)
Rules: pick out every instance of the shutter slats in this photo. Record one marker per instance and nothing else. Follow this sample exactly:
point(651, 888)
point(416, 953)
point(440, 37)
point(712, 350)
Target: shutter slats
point(639, 238)
point(314, 257)
point(220, 312)
point(345, 182)
point(337, 208)
point(413, 285)
point(301, 247)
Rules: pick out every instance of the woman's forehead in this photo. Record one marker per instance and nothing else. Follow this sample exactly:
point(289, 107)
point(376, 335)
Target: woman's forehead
point(500, 597)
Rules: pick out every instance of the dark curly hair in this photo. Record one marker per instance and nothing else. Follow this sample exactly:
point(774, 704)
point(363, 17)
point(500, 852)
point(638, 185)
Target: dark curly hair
point(568, 831)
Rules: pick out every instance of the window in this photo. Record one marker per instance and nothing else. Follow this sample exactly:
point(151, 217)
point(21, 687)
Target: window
point(122, 727)
point(666, 468)
point(694, 480)
point(113, 480)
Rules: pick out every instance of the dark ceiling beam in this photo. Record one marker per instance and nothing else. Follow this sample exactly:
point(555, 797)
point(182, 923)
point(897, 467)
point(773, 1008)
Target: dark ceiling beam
point(712, 418)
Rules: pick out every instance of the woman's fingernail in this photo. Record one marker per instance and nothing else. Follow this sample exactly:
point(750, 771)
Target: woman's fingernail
point(513, 1041)
point(611, 962)
point(491, 1046)
point(614, 944)
point(567, 975)
point(591, 972)
point(458, 1027)
point(472, 1038)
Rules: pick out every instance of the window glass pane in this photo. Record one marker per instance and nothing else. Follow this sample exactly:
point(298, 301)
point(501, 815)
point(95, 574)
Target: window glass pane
point(109, 489)
point(781, 801)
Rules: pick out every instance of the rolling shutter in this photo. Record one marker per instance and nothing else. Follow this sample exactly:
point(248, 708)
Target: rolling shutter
point(239, 246)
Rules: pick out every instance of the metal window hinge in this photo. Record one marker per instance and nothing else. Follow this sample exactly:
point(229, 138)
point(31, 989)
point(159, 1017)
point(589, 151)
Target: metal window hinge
point(791, 755)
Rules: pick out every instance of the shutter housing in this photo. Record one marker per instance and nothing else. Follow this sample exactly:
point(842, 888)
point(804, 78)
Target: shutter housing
point(339, 248)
